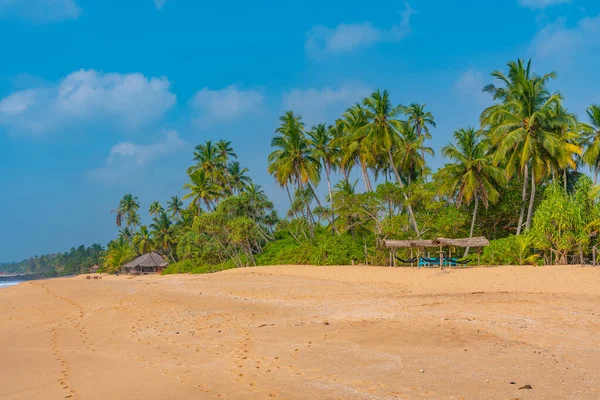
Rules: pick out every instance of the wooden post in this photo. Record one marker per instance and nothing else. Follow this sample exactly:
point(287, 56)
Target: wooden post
point(395, 264)
point(391, 258)
point(411, 256)
point(441, 257)
point(478, 262)
point(450, 255)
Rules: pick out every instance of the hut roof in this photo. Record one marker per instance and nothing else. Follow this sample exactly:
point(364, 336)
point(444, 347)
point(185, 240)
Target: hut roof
point(94, 268)
point(468, 242)
point(409, 243)
point(151, 259)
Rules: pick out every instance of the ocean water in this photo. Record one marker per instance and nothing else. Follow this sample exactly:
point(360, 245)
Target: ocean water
point(8, 284)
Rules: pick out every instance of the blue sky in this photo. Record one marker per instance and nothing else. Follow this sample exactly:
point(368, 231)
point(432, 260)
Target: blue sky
point(101, 98)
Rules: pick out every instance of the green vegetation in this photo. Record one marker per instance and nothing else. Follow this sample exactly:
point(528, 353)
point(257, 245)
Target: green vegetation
point(74, 261)
point(514, 179)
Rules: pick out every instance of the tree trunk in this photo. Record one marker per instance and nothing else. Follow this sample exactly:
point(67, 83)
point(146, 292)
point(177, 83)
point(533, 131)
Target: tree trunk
point(365, 174)
point(327, 172)
point(411, 215)
point(595, 176)
point(565, 179)
point(524, 198)
point(472, 224)
point(531, 200)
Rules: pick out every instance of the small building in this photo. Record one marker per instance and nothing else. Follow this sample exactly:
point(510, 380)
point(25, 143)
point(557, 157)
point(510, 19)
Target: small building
point(149, 263)
point(94, 269)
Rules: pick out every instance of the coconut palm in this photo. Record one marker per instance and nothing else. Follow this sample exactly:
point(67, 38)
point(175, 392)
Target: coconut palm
point(421, 120)
point(292, 161)
point(591, 134)
point(127, 210)
point(225, 150)
point(381, 132)
point(162, 232)
point(327, 152)
point(353, 147)
point(143, 240)
point(208, 159)
point(155, 208)
point(174, 206)
point(472, 174)
point(410, 153)
point(236, 176)
point(202, 190)
point(521, 127)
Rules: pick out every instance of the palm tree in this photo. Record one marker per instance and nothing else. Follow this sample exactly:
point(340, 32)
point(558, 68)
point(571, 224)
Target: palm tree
point(353, 147)
point(421, 120)
point(208, 159)
point(292, 160)
point(142, 239)
point(161, 233)
point(155, 208)
point(521, 127)
point(381, 132)
point(591, 133)
point(327, 152)
point(127, 210)
point(225, 150)
point(202, 189)
point(174, 206)
point(473, 173)
point(410, 154)
point(236, 176)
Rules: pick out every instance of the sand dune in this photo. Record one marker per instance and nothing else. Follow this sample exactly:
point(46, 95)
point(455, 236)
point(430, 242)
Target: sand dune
point(296, 332)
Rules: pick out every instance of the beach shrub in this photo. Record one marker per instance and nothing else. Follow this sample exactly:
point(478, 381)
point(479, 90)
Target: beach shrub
point(512, 250)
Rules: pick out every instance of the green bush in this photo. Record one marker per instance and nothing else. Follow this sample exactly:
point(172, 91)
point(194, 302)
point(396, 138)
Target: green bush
point(512, 250)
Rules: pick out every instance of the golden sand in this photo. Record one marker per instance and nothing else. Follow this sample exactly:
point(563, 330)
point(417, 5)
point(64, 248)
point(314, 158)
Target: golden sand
point(297, 332)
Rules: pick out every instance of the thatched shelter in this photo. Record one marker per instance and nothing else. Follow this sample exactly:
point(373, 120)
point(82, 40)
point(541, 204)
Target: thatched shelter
point(415, 243)
point(149, 263)
point(421, 244)
point(479, 241)
point(94, 269)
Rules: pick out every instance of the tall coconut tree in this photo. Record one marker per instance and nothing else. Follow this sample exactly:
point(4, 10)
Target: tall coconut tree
point(520, 127)
point(225, 150)
point(155, 208)
point(410, 153)
point(175, 206)
point(381, 132)
point(325, 150)
point(209, 160)
point(421, 120)
point(472, 174)
point(353, 147)
point(143, 240)
point(236, 177)
point(127, 210)
point(162, 233)
point(202, 190)
point(591, 134)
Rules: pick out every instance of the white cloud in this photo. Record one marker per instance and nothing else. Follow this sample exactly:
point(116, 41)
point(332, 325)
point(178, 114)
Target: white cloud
point(126, 157)
point(556, 39)
point(321, 105)
point(126, 100)
point(225, 104)
point(541, 4)
point(469, 86)
point(41, 10)
point(159, 3)
point(322, 40)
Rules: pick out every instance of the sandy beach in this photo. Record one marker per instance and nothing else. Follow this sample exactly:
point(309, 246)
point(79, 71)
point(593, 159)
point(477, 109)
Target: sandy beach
point(296, 332)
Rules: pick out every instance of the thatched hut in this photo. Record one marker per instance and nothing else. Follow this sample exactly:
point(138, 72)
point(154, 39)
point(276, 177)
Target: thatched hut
point(94, 269)
point(149, 263)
